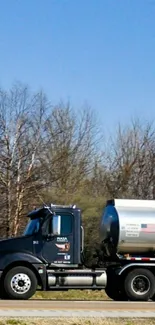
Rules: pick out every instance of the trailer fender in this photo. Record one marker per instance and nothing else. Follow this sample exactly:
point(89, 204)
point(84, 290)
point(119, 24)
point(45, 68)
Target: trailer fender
point(127, 267)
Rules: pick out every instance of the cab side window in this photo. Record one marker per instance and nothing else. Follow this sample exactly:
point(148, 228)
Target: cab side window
point(66, 224)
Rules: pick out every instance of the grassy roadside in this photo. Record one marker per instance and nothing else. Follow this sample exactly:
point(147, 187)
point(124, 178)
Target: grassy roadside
point(75, 321)
point(72, 295)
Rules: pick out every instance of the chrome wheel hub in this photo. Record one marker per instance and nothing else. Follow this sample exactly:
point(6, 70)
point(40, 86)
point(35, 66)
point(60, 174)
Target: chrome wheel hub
point(20, 283)
point(140, 284)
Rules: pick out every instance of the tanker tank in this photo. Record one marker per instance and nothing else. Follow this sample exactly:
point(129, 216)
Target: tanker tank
point(128, 227)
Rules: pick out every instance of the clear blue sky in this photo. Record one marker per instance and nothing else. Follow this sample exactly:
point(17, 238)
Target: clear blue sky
point(97, 51)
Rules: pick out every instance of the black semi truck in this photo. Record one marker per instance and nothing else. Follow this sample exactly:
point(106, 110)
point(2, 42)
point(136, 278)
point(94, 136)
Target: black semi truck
point(49, 256)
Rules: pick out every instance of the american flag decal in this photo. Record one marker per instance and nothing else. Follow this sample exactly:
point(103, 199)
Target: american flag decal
point(149, 228)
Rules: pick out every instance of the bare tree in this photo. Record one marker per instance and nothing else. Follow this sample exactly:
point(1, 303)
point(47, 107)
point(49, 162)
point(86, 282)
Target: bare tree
point(71, 143)
point(21, 119)
point(130, 160)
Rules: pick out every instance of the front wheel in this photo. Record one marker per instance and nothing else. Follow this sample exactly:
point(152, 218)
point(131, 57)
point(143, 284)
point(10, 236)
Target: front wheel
point(139, 285)
point(20, 283)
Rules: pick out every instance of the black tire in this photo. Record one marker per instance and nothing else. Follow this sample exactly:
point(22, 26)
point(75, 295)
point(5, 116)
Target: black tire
point(114, 288)
point(139, 285)
point(20, 283)
point(116, 294)
point(153, 298)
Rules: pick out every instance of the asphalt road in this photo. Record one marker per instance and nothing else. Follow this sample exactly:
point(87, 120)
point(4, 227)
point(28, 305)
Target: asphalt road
point(75, 305)
point(50, 308)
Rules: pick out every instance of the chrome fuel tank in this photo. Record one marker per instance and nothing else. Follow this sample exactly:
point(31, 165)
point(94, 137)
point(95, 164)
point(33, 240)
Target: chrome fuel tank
point(78, 278)
point(128, 226)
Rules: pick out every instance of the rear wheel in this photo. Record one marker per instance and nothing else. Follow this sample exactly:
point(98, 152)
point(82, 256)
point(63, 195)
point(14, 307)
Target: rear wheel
point(139, 285)
point(20, 283)
point(114, 288)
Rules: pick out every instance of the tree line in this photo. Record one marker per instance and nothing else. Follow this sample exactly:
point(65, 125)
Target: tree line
point(55, 154)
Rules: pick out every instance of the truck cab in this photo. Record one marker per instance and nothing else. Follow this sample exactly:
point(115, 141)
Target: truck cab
point(56, 234)
point(48, 254)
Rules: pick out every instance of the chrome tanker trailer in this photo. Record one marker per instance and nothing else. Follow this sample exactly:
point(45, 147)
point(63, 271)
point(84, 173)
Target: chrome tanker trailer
point(128, 227)
point(128, 237)
point(50, 253)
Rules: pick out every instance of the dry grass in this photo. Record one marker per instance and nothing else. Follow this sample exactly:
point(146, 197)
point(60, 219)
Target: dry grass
point(72, 295)
point(75, 321)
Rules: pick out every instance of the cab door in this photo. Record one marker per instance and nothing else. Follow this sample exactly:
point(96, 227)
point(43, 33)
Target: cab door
point(58, 244)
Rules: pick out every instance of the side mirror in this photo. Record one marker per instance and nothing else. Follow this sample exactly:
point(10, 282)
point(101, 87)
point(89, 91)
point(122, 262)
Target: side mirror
point(56, 225)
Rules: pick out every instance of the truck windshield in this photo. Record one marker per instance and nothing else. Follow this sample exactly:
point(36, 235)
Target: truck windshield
point(32, 227)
